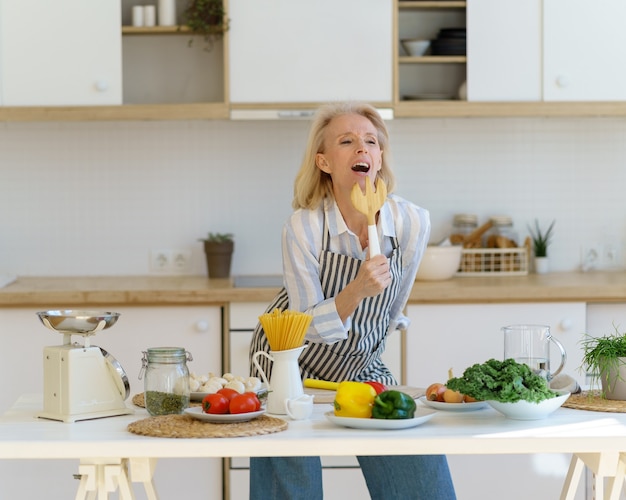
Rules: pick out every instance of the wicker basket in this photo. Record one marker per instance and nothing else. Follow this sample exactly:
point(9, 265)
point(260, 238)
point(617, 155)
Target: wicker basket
point(490, 261)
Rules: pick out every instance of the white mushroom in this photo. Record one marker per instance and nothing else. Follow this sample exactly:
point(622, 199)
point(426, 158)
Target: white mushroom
point(236, 385)
point(252, 384)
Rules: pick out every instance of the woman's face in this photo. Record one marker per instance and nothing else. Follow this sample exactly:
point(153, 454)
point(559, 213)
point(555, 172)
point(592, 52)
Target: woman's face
point(351, 152)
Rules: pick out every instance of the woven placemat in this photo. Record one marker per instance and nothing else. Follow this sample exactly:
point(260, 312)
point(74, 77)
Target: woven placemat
point(139, 400)
point(184, 426)
point(593, 401)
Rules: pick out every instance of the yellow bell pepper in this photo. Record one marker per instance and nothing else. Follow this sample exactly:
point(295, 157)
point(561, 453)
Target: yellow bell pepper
point(354, 399)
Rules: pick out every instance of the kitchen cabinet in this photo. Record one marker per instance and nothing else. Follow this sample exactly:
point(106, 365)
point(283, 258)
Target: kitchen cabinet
point(504, 57)
point(583, 51)
point(62, 53)
point(456, 336)
point(341, 475)
point(542, 56)
point(427, 77)
point(169, 65)
point(196, 328)
point(310, 51)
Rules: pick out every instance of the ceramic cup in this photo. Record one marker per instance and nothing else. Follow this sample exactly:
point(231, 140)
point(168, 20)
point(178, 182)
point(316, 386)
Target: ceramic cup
point(299, 408)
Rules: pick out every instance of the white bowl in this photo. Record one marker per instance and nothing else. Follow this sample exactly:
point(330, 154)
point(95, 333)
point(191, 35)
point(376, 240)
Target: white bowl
point(439, 263)
point(524, 410)
point(415, 47)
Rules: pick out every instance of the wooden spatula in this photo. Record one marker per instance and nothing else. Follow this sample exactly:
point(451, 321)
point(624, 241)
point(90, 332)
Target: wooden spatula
point(369, 204)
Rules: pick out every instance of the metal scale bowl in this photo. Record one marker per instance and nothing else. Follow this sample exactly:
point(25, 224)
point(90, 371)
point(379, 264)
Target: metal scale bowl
point(81, 382)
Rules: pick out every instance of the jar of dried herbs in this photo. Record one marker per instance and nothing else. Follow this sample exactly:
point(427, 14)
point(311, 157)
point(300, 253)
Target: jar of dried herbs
point(166, 382)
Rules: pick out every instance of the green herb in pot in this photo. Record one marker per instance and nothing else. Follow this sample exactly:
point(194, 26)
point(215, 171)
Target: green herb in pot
point(393, 405)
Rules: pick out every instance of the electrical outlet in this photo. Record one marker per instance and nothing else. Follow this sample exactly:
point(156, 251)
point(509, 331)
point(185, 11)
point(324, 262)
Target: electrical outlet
point(181, 261)
point(160, 261)
point(591, 257)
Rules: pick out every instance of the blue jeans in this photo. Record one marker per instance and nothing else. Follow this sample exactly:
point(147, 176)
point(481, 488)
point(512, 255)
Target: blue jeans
point(419, 477)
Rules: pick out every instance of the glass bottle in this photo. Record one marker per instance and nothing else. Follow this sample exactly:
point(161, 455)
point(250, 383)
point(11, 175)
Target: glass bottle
point(166, 383)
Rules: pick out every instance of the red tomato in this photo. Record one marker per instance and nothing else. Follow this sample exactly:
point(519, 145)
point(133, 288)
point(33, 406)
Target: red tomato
point(378, 387)
point(258, 401)
point(215, 403)
point(228, 392)
point(244, 403)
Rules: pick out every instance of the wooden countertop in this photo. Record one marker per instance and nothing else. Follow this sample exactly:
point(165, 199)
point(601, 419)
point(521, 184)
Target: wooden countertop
point(51, 292)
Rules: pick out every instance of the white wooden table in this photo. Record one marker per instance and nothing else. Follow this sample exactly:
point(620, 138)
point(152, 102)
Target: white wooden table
point(111, 457)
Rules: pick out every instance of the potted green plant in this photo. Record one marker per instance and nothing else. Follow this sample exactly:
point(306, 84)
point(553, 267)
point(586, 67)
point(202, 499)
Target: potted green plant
point(605, 359)
point(540, 246)
point(206, 18)
point(218, 248)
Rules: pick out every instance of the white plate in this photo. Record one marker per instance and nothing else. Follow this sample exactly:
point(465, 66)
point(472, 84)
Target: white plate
point(196, 412)
point(421, 416)
point(437, 405)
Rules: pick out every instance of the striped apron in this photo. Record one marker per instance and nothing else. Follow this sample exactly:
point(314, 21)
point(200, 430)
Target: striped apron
point(358, 356)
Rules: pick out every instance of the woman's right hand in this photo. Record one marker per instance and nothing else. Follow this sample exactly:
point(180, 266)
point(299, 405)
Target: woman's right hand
point(373, 276)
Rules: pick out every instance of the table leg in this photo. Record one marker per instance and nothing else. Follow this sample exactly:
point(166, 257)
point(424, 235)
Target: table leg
point(98, 478)
point(142, 471)
point(617, 482)
point(603, 465)
point(572, 479)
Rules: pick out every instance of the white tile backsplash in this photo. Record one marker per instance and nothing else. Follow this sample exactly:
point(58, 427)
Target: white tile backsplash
point(94, 198)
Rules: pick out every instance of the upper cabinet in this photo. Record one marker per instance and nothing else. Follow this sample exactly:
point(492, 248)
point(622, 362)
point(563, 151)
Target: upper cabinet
point(546, 50)
point(505, 52)
point(438, 73)
point(61, 53)
point(78, 60)
point(310, 51)
point(583, 55)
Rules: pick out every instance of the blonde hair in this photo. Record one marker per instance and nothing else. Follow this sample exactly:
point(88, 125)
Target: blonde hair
point(312, 185)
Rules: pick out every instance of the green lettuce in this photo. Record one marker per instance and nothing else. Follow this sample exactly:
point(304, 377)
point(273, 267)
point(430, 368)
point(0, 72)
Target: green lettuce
point(506, 381)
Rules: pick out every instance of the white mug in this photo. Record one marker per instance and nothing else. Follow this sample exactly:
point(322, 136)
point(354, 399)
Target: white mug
point(137, 15)
point(299, 408)
point(149, 15)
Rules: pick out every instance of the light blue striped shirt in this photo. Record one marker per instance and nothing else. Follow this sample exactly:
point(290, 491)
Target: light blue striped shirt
point(302, 246)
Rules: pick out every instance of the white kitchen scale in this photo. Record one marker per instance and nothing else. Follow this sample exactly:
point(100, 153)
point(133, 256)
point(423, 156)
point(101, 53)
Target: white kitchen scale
point(81, 382)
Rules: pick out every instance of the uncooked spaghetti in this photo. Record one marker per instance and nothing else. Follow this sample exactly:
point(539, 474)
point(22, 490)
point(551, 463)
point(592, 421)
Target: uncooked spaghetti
point(285, 329)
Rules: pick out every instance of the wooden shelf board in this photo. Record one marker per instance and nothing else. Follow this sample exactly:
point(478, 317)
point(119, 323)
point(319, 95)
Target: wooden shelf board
point(432, 59)
point(134, 112)
point(432, 4)
point(155, 30)
point(464, 109)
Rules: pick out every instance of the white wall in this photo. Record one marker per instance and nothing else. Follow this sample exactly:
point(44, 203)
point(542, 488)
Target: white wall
point(94, 198)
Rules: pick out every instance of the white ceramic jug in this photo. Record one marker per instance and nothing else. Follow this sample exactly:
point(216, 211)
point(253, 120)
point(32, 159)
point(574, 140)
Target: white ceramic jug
point(286, 382)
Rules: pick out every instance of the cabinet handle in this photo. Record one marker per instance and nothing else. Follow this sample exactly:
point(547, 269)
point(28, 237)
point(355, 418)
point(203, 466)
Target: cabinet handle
point(562, 81)
point(202, 325)
point(566, 324)
point(102, 86)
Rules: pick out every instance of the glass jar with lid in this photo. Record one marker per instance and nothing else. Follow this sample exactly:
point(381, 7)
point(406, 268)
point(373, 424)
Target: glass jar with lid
point(166, 380)
point(464, 224)
point(502, 234)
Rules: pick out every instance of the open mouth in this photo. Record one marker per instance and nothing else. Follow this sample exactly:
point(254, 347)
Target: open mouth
point(361, 167)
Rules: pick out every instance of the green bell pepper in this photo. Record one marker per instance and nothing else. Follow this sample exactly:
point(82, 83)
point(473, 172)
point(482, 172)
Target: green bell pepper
point(393, 405)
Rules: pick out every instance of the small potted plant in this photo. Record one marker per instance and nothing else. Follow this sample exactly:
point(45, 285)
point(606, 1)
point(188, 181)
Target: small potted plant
point(605, 358)
point(540, 246)
point(206, 18)
point(218, 248)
